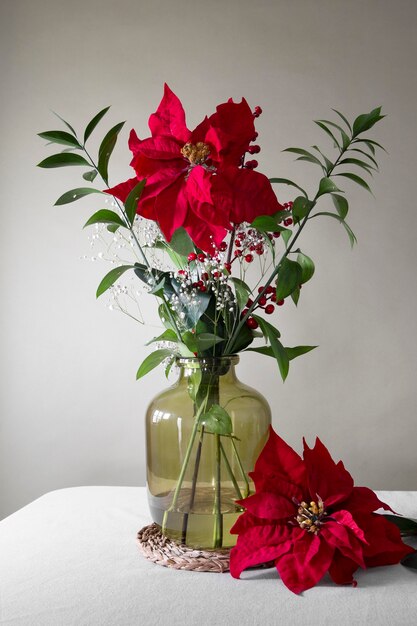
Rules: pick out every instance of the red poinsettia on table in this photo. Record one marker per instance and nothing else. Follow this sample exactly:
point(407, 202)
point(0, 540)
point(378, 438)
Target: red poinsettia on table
point(195, 178)
point(309, 518)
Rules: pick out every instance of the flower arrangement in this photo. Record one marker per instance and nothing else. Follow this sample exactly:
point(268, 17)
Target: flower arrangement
point(197, 216)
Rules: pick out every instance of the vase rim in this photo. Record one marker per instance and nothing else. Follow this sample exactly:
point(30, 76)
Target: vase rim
point(210, 361)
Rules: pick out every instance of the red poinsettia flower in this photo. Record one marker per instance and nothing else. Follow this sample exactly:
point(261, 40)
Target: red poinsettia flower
point(194, 178)
point(309, 518)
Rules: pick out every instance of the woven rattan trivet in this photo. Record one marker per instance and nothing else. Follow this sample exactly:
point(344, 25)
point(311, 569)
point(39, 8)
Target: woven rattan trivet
point(163, 551)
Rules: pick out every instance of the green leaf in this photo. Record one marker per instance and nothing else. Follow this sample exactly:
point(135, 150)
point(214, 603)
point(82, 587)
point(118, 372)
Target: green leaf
point(328, 131)
point(366, 121)
point(301, 207)
point(307, 156)
point(289, 278)
point(112, 228)
point(111, 278)
point(278, 349)
point(264, 223)
point(356, 179)
point(286, 181)
point(293, 353)
point(205, 341)
point(90, 175)
point(359, 163)
point(326, 186)
point(63, 159)
point(60, 137)
point(216, 420)
point(242, 291)
point(66, 123)
point(167, 335)
point(105, 216)
point(106, 149)
point(307, 267)
point(75, 194)
point(371, 158)
point(181, 242)
point(190, 341)
point(329, 164)
point(132, 200)
point(407, 526)
point(371, 143)
point(351, 234)
point(93, 123)
point(152, 361)
point(344, 119)
point(295, 296)
point(410, 560)
point(286, 233)
point(341, 205)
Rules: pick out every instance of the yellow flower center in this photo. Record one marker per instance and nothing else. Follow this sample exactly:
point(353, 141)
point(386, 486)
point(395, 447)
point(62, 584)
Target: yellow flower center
point(197, 153)
point(310, 516)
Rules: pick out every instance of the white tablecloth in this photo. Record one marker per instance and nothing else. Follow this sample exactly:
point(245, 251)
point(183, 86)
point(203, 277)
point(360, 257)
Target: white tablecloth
point(71, 557)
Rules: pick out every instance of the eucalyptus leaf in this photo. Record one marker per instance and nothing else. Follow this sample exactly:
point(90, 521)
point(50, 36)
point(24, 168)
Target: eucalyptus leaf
point(111, 278)
point(152, 361)
point(60, 137)
point(216, 420)
point(75, 194)
point(181, 242)
point(289, 278)
point(106, 149)
point(63, 159)
point(105, 216)
point(93, 123)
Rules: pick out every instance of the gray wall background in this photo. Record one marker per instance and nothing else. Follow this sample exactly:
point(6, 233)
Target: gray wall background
point(71, 411)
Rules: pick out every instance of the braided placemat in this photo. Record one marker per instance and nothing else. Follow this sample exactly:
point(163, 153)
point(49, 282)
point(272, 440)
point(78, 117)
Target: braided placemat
point(163, 551)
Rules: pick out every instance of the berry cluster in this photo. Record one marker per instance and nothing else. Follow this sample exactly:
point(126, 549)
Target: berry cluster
point(265, 302)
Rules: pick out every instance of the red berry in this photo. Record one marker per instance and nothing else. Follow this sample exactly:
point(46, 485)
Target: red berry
point(201, 257)
point(202, 288)
point(254, 149)
point(269, 309)
point(270, 289)
point(262, 301)
point(257, 111)
point(238, 252)
point(249, 302)
point(228, 267)
point(255, 137)
point(252, 323)
point(273, 297)
point(238, 243)
point(216, 274)
point(259, 250)
point(223, 246)
point(280, 302)
point(243, 312)
point(251, 164)
point(288, 221)
point(241, 236)
point(276, 234)
point(204, 276)
point(261, 288)
point(249, 258)
point(192, 257)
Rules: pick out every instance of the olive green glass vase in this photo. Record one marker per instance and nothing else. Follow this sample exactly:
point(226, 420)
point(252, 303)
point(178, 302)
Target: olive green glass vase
point(203, 435)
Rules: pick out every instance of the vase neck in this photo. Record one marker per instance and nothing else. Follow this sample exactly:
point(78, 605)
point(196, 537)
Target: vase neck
point(210, 368)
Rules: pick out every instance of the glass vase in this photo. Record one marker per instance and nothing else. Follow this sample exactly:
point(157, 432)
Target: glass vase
point(203, 437)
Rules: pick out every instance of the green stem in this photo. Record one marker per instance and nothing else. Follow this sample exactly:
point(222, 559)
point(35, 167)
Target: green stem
point(230, 471)
point(193, 487)
point(242, 471)
point(218, 524)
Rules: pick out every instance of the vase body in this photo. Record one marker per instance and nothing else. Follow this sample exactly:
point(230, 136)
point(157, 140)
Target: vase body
point(203, 437)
